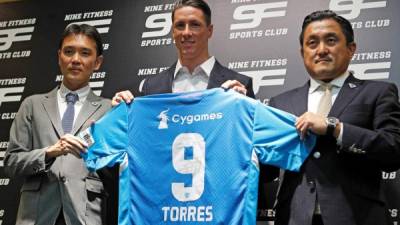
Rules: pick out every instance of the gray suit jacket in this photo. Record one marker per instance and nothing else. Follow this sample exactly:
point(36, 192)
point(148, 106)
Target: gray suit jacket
point(63, 183)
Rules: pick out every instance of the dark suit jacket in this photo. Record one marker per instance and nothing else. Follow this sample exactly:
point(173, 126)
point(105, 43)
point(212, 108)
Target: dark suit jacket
point(162, 82)
point(64, 182)
point(347, 179)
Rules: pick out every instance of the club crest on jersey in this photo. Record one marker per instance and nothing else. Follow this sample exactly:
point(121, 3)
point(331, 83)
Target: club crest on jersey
point(163, 120)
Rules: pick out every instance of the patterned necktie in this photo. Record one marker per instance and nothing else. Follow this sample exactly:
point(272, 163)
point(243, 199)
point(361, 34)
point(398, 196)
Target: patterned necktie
point(325, 103)
point(68, 117)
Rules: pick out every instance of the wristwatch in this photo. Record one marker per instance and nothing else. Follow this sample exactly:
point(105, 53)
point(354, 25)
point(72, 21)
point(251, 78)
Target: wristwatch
point(332, 122)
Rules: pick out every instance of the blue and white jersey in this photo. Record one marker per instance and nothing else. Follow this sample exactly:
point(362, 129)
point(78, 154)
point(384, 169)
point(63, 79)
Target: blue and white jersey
point(193, 157)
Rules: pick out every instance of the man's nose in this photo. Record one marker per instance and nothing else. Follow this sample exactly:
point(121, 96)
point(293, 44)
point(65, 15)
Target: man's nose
point(187, 31)
point(322, 48)
point(76, 58)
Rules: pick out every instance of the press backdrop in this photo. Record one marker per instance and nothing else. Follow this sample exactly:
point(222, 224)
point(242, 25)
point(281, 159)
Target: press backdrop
point(258, 38)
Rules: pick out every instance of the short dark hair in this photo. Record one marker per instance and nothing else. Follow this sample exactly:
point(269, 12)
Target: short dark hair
point(84, 29)
point(198, 4)
point(345, 25)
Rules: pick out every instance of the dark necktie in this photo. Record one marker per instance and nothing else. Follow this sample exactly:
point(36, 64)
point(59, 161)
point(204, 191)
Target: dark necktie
point(68, 117)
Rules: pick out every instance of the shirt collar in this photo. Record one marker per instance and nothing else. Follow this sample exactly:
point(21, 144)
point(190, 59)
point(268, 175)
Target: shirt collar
point(206, 66)
point(337, 82)
point(82, 92)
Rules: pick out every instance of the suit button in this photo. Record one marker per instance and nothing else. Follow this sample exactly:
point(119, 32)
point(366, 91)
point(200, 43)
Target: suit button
point(317, 155)
point(311, 184)
point(63, 179)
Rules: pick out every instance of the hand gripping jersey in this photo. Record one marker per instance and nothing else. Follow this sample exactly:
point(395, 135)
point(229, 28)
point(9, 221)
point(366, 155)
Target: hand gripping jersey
point(193, 158)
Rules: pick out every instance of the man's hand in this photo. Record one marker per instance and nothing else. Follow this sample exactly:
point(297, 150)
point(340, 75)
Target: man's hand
point(125, 96)
point(235, 85)
point(311, 121)
point(67, 144)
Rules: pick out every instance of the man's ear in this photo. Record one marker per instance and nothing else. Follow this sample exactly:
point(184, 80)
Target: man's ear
point(59, 55)
point(302, 52)
point(210, 30)
point(99, 61)
point(352, 48)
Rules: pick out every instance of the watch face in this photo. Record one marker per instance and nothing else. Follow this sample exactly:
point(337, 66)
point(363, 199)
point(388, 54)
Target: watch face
point(332, 120)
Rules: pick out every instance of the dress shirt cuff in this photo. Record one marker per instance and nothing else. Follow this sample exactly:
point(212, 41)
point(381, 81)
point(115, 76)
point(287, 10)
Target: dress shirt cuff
point(48, 162)
point(339, 140)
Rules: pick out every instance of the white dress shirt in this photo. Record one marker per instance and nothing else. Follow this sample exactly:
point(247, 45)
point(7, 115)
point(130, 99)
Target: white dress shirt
point(315, 93)
point(62, 103)
point(197, 81)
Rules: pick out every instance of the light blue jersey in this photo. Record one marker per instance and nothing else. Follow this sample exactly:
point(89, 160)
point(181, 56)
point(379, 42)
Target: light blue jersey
point(193, 158)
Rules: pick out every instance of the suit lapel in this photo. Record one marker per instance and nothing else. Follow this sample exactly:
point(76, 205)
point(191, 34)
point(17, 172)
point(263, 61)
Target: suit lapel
point(170, 78)
point(350, 89)
point(217, 77)
point(51, 107)
point(90, 106)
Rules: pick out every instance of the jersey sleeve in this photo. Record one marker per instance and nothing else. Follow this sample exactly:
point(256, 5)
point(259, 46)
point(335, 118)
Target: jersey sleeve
point(276, 140)
point(107, 139)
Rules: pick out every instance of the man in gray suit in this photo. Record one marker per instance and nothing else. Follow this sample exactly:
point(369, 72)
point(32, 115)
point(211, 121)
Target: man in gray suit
point(58, 189)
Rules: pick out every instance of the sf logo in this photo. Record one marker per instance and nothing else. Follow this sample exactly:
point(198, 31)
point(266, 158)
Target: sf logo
point(10, 94)
point(352, 9)
point(9, 36)
point(251, 16)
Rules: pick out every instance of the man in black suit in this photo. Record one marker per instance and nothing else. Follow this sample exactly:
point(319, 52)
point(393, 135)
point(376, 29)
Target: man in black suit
point(358, 123)
point(195, 69)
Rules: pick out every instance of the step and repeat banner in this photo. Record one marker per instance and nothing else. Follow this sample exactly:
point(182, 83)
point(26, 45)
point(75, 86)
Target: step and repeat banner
point(258, 38)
